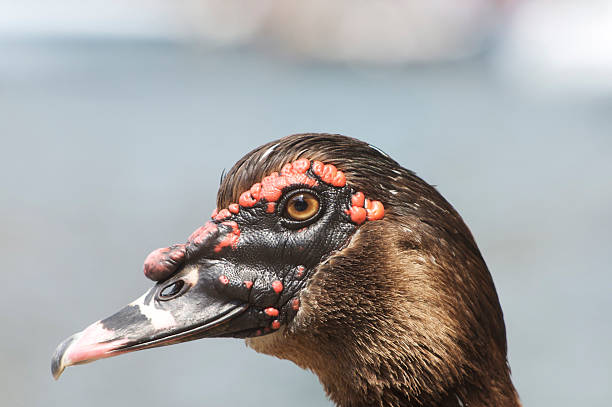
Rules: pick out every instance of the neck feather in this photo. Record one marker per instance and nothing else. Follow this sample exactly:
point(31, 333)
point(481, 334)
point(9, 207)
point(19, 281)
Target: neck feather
point(393, 322)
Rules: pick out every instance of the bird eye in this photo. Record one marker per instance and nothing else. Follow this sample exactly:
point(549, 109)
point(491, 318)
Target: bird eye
point(302, 206)
point(171, 290)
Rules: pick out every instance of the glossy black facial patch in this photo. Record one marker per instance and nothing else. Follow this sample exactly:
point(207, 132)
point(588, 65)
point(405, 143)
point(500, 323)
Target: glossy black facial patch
point(253, 253)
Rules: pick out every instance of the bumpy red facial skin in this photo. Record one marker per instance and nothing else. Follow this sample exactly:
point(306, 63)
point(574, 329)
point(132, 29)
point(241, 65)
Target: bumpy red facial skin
point(201, 233)
point(159, 261)
point(374, 209)
point(363, 209)
point(329, 174)
point(231, 239)
point(277, 286)
point(271, 312)
point(271, 187)
point(162, 262)
point(222, 214)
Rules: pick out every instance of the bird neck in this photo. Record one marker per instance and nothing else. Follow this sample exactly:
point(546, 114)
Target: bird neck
point(356, 382)
point(391, 322)
point(356, 374)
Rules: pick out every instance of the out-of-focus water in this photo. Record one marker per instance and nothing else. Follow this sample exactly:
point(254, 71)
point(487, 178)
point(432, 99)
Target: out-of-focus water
point(111, 149)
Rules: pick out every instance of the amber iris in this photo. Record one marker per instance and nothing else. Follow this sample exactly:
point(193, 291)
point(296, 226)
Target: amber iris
point(302, 206)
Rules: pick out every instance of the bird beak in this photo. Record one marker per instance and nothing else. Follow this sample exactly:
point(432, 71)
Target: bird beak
point(203, 289)
point(145, 324)
point(189, 301)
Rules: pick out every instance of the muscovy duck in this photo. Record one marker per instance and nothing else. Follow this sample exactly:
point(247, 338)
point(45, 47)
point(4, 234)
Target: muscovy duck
point(326, 252)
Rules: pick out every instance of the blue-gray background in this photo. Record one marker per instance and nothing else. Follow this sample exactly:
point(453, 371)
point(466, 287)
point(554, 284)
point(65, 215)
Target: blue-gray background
point(112, 148)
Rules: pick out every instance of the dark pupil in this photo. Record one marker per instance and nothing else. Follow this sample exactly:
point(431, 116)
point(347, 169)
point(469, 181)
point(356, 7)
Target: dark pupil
point(299, 204)
point(172, 289)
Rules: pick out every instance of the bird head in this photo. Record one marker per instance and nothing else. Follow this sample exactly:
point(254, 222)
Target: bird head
point(326, 252)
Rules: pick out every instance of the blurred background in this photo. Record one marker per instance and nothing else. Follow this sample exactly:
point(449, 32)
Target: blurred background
point(117, 119)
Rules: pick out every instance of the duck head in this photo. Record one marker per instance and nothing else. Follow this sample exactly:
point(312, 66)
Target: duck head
point(326, 252)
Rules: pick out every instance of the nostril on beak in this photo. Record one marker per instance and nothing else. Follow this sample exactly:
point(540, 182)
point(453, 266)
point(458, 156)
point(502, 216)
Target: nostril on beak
point(171, 291)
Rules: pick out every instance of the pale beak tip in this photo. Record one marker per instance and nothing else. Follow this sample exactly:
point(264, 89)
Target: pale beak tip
point(57, 370)
point(57, 361)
